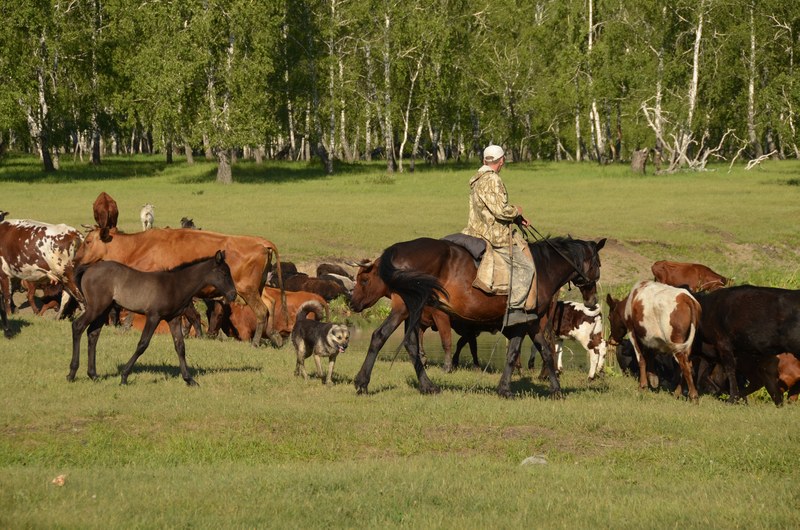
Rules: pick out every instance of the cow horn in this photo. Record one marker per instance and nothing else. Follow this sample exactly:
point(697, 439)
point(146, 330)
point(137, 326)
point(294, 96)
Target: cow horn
point(89, 228)
point(363, 263)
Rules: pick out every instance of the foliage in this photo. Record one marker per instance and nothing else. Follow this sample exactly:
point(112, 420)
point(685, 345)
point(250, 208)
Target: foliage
point(357, 78)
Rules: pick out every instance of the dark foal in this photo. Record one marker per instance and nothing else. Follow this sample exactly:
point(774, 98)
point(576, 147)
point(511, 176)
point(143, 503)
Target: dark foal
point(158, 295)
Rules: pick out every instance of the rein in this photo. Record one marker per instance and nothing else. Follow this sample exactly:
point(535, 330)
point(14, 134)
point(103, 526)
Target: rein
point(531, 231)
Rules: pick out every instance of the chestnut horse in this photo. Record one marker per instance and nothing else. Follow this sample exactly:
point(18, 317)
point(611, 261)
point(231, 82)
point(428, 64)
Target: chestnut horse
point(438, 274)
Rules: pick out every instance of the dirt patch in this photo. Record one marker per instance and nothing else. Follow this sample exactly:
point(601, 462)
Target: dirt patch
point(622, 265)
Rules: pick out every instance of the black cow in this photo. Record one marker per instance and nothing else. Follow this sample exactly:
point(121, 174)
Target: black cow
point(747, 320)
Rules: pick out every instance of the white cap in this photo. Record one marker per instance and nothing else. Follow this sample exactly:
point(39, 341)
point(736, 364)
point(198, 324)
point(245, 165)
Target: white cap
point(493, 153)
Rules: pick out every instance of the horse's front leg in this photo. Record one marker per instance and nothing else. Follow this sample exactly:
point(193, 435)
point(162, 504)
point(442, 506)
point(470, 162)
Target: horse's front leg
point(426, 386)
point(176, 328)
point(78, 327)
point(93, 334)
point(512, 356)
point(548, 360)
point(144, 341)
point(379, 338)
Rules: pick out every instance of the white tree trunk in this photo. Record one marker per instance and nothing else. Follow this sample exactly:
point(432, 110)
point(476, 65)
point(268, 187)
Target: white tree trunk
point(407, 112)
point(751, 90)
point(388, 133)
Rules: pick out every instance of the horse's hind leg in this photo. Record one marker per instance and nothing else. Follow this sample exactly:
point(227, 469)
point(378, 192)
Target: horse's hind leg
point(144, 342)
point(426, 386)
point(176, 327)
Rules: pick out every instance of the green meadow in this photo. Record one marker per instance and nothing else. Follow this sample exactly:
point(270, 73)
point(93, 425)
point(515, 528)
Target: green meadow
point(255, 447)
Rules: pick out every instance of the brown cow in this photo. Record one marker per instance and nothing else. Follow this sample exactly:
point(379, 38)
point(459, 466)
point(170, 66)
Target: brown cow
point(662, 318)
point(138, 321)
point(239, 321)
point(165, 248)
point(106, 213)
point(327, 289)
point(694, 276)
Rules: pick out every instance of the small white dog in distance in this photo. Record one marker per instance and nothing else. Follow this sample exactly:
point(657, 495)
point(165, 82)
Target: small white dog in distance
point(147, 216)
point(320, 339)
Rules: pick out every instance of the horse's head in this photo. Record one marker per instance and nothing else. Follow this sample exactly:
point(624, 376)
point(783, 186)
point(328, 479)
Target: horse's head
point(221, 278)
point(587, 277)
point(369, 287)
point(616, 320)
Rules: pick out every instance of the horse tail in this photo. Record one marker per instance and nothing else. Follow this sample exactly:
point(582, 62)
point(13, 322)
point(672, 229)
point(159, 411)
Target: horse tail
point(417, 289)
point(312, 306)
point(79, 272)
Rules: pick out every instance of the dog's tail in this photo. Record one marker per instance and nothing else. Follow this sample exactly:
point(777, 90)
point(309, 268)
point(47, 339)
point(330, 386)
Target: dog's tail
point(312, 306)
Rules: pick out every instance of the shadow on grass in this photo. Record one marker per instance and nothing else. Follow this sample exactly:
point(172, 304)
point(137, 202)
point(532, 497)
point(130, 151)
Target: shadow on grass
point(15, 328)
point(28, 169)
point(173, 370)
point(521, 387)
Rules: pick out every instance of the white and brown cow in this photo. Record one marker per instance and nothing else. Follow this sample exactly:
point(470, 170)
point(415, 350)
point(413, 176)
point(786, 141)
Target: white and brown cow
point(576, 321)
point(659, 317)
point(573, 320)
point(35, 251)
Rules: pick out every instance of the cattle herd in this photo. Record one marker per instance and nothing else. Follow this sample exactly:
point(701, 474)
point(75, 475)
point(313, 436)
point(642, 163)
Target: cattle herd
point(688, 329)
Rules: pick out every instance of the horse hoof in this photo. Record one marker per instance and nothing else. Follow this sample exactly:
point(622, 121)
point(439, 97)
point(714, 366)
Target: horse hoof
point(429, 389)
point(448, 368)
point(191, 382)
point(557, 395)
point(505, 393)
point(71, 378)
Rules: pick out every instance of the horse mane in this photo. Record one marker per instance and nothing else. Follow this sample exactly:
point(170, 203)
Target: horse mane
point(566, 245)
point(188, 264)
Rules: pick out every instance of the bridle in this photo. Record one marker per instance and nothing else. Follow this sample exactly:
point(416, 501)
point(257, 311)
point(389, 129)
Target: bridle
point(584, 281)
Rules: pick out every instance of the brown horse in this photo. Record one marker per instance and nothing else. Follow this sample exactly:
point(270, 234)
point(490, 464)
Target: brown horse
point(437, 273)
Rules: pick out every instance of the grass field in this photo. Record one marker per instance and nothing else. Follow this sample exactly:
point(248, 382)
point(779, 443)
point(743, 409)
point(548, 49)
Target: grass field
point(254, 446)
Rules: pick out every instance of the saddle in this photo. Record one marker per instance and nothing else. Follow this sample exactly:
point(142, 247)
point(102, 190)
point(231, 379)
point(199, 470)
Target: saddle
point(493, 276)
point(474, 245)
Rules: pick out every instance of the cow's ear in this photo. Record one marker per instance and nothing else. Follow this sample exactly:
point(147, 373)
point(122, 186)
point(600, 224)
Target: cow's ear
point(105, 235)
point(601, 243)
point(610, 301)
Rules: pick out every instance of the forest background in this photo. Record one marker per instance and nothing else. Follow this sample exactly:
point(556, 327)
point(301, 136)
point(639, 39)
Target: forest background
point(341, 80)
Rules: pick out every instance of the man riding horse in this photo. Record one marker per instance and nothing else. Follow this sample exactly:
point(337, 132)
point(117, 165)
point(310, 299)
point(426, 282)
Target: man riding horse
point(493, 219)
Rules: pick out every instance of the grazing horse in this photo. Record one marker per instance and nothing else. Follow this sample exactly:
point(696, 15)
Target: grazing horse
point(162, 295)
point(439, 273)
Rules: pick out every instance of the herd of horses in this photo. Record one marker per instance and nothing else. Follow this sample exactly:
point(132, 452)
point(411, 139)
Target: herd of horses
point(429, 282)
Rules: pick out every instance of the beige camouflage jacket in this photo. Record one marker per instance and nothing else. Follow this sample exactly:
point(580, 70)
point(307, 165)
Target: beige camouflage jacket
point(490, 215)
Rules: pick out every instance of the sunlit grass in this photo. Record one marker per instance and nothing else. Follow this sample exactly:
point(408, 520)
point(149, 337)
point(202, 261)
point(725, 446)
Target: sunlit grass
point(254, 446)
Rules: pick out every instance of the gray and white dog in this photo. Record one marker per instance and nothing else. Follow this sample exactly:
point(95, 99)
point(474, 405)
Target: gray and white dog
point(320, 339)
